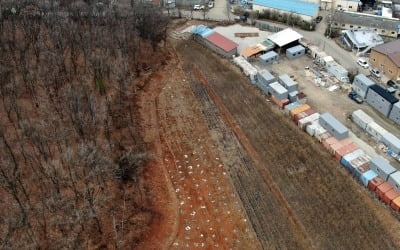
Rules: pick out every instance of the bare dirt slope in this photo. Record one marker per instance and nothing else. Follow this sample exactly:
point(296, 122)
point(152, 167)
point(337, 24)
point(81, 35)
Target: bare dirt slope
point(241, 174)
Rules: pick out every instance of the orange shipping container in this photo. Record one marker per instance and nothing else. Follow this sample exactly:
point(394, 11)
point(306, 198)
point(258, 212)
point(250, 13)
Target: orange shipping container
point(345, 150)
point(339, 145)
point(395, 204)
point(389, 196)
point(299, 109)
point(382, 189)
point(374, 183)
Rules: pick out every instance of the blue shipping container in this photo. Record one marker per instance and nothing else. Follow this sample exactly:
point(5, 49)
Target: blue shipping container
point(345, 161)
point(367, 176)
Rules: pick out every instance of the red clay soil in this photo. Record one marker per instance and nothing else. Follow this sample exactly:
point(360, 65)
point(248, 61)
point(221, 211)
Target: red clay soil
point(199, 206)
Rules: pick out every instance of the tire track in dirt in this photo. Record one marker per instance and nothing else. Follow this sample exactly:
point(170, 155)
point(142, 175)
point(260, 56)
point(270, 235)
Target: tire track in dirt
point(231, 124)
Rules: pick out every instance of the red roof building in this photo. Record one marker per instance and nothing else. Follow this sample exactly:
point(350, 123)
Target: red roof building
point(222, 44)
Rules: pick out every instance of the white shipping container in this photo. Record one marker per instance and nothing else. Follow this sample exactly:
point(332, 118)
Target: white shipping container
point(376, 131)
point(310, 129)
point(319, 130)
point(309, 119)
point(360, 118)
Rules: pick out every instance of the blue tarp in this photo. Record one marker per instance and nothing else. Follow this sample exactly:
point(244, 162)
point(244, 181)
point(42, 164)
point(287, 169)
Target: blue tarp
point(295, 6)
point(202, 31)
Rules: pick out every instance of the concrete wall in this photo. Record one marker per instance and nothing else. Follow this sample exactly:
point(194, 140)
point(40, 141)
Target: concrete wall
point(395, 113)
point(384, 64)
point(378, 102)
point(261, 8)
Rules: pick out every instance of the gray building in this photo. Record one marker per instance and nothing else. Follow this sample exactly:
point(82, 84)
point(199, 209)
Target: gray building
point(278, 91)
point(392, 142)
point(354, 20)
point(382, 167)
point(269, 57)
point(295, 52)
point(395, 113)
point(264, 79)
point(380, 99)
point(333, 126)
point(361, 84)
point(362, 39)
point(293, 96)
point(264, 76)
point(394, 180)
point(288, 82)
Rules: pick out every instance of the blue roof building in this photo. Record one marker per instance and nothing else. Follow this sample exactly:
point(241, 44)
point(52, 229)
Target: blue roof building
point(306, 10)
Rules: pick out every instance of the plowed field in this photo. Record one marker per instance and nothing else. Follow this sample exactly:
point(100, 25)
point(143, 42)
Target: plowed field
point(238, 174)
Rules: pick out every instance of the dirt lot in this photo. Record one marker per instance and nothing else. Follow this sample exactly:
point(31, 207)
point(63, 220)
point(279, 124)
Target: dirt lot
point(240, 174)
point(335, 102)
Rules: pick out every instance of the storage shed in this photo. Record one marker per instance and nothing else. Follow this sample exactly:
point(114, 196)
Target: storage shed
point(295, 52)
point(380, 99)
point(392, 142)
point(221, 44)
point(376, 131)
point(288, 82)
point(382, 167)
point(264, 76)
point(361, 84)
point(337, 71)
point(333, 126)
point(395, 113)
point(360, 118)
point(277, 90)
point(394, 180)
point(269, 57)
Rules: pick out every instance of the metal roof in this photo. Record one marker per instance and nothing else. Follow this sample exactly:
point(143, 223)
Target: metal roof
point(287, 80)
point(221, 41)
point(393, 140)
point(391, 49)
point(284, 37)
point(295, 6)
point(266, 74)
point(338, 126)
point(383, 164)
point(365, 80)
point(385, 94)
point(278, 88)
point(363, 19)
point(395, 177)
point(295, 49)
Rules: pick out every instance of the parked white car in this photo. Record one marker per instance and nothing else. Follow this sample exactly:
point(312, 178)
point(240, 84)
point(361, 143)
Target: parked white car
point(198, 7)
point(375, 72)
point(363, 63)
point(210, 4)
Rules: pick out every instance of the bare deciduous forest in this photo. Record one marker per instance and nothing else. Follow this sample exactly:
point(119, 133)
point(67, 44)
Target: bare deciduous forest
point(71, 155)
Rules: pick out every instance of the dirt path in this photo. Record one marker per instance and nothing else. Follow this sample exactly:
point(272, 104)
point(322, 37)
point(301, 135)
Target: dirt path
point(204, 209)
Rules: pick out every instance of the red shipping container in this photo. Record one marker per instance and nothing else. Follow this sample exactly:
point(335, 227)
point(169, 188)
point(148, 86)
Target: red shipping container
point(395, 204)
point(374, 183)
point(329, 141)
point(280, 103)
point(334, 148)
point(302, 115)
point(382, 189)
point(389, 196)
point(345, 150)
